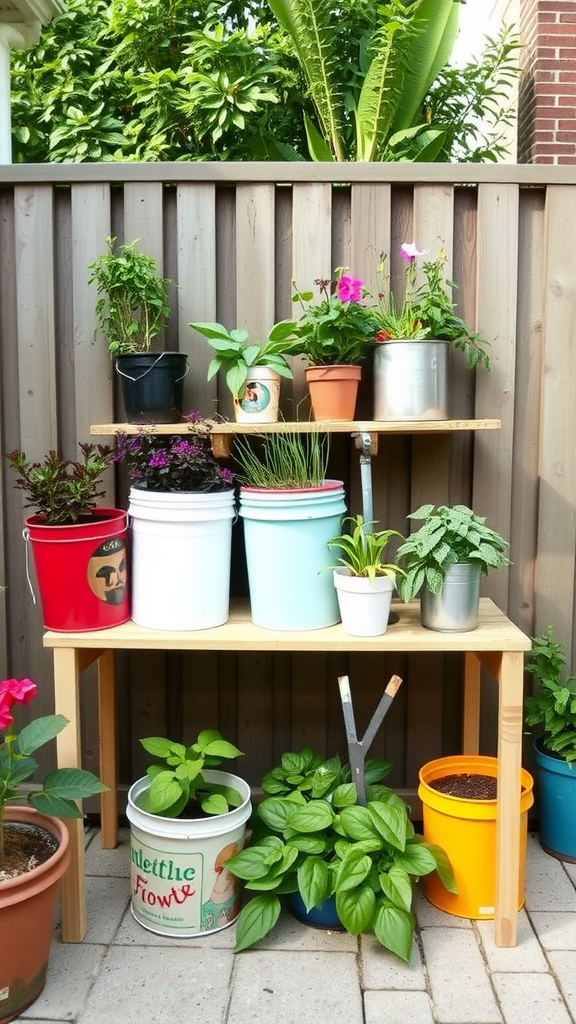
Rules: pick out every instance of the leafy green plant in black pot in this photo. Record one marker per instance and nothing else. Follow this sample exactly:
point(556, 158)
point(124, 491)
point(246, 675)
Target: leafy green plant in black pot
point(311, 837)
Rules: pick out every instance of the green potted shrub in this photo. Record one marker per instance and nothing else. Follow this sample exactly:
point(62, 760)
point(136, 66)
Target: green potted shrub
point(34, 845)
point(552, 710)
point(132, 310)
point(335, 334)
point(364, 583)
point(443, 561)
point(315, 844)
point(193, 817)
point(80, 550)
point(412, 340)
point(288, 506)
point(252, 372)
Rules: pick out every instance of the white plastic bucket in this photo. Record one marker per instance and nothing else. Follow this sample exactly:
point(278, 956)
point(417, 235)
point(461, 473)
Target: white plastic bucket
point(181, 548)
point(286, 536)
point(179, 886)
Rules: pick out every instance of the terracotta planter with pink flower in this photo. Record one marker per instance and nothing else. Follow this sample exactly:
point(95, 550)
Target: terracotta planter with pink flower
point(33, 848)
point(335, 334)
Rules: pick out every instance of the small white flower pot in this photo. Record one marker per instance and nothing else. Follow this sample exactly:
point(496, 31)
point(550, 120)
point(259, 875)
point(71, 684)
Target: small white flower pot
point(364, 605)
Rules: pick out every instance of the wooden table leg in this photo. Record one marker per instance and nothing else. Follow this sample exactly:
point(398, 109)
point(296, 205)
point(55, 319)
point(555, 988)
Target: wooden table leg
point(68, 749)
point(471, 706)
point(510, 680)
point(107, 740)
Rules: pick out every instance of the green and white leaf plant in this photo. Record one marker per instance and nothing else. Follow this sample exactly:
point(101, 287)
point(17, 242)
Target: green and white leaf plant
point(311, 837)
point(448, 535)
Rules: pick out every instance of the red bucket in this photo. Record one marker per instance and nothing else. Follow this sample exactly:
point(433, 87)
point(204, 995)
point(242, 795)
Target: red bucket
point(82, 571)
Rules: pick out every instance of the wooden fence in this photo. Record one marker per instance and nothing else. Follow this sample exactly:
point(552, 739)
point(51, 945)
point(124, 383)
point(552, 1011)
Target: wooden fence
point(232, 237)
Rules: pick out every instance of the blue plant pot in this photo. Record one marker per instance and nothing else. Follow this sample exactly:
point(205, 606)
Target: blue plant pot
point(557, 804)
point(323, 916)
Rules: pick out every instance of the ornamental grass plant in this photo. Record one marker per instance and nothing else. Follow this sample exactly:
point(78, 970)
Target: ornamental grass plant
point(285, 459)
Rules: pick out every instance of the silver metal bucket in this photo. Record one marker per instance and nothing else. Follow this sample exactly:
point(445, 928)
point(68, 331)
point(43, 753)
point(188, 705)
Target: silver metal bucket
point(410, 380)
point(455, 608)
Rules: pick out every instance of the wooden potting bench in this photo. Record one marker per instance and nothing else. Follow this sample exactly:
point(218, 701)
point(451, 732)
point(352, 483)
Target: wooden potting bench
point(497, 645)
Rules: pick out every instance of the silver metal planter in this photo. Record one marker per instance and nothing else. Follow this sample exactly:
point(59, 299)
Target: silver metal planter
point(455, 608)
point(410, 380)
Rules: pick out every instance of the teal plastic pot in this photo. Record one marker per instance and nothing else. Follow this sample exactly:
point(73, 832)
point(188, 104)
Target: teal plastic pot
point(286, 534)
point(557, 804)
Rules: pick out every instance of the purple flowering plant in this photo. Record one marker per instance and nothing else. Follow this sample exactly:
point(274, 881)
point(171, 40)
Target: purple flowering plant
point(156, 462)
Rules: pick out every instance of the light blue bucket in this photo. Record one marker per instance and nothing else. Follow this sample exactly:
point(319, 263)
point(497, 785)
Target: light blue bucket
point(286, 536)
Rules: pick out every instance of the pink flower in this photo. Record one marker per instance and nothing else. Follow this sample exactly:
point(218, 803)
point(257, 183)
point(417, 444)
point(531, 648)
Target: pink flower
point(12, 691)
point(349, 289)
point(6, 718)
point(19, 690)
point(409, 251)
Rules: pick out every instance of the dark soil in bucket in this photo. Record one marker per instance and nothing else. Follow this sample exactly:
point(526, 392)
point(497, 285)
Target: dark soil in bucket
point(467, 787)
point(25, 847)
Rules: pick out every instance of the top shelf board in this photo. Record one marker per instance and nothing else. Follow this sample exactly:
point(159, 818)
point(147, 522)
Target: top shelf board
point(223, 433)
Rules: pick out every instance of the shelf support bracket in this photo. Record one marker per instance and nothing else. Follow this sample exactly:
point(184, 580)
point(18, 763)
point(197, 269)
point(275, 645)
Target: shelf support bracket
point(358, 749)
point(368, 445)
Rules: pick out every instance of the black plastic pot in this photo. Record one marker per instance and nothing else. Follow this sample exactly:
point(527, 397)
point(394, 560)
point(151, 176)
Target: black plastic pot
point(152, 385)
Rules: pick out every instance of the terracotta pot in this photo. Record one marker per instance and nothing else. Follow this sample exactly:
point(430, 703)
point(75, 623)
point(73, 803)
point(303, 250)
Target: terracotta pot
point(333, 391)
point(27, 908)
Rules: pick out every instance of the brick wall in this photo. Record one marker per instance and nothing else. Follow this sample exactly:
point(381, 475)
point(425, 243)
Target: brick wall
point(547, 95)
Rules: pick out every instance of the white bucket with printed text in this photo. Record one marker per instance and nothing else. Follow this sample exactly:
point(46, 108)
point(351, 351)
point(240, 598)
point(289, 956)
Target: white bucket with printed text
point(178, 880)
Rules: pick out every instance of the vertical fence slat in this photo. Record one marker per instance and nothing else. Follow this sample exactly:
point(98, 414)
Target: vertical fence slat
point(93, 379)
point(255, 264)
point(497, 283)
point(311, 249)
point(556, 520)
point(196, 247)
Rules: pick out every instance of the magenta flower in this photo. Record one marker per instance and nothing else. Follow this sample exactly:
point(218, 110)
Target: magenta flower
point(409, 251)
point(349, 289)
point(14, 691)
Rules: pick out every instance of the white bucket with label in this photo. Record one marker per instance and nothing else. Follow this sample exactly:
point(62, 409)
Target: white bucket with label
point(179, 884)
point(181, 550)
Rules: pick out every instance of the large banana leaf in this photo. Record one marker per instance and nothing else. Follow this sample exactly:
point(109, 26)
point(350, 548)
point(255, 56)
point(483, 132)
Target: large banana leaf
point(383, 87)
point(309, 23)
point(430, 51)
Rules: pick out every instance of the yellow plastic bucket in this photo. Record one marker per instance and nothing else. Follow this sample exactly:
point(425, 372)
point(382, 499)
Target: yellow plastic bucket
point(466, 830)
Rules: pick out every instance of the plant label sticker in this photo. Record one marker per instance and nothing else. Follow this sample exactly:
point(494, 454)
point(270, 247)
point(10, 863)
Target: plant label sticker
point(182, 893)
point(107, 571)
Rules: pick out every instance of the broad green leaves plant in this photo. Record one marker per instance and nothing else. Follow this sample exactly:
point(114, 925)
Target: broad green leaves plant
point(554, 707)
point(178, 787)
point(312, 838)
point(236, 358)
point(133, 304)
point(361, 550)
point(142, 80)
point(449, 534)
